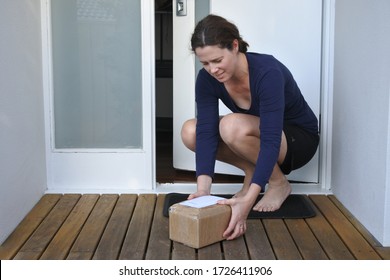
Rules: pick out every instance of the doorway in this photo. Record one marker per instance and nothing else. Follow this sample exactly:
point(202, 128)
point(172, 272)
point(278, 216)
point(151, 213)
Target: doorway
point(165, 172)
point(164, 90)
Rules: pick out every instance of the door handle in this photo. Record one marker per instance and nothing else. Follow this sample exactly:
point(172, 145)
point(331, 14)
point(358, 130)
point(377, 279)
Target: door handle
point(181, 7)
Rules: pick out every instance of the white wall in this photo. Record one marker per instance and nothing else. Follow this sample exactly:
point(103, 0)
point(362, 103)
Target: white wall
point(361, 141)
point(22, 147)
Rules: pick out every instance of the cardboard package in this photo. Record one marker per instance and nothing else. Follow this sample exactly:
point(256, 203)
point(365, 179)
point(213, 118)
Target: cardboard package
point(198, 227)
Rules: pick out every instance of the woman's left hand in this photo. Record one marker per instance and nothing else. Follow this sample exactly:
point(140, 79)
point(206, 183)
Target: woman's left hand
point(240, 210)
point(241, 206)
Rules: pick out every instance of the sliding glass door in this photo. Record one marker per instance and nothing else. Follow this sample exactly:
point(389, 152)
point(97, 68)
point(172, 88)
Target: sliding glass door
point(100, 68)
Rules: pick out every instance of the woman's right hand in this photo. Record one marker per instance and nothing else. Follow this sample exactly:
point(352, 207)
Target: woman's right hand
point(198, 194)
point(203, 186)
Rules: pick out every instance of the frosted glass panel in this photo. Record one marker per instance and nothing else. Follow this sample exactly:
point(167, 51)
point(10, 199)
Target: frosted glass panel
point(96, 46)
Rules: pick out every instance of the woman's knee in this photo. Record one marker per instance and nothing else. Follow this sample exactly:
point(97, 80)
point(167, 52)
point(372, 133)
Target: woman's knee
point(233, 127)
point(227, 128)
point(188, 134)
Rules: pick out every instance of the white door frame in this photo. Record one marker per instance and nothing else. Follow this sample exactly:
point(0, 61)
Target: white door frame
point(327, 70)
point(100, 170)
point(325, 107)
point(148, 28)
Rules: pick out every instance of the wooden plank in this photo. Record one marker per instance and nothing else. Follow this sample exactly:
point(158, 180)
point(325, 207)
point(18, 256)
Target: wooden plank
point(85, 244)
point(281, 240)
point(307, 244)
point(328, 238)
point(27, 226)
point(384, 252)
point(59, 247)
point(134, 246)
point(43, 238)
point(159, 247)
point(182, 252)
point(211, 252)
point(363, 231)
point(37, 243)
point(259, 247)
point(356, 243)
point(235, 249)
point(111, 242)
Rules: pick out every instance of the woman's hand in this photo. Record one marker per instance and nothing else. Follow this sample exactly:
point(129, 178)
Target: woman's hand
point(198, 194)
point(241, 206)
point(203, 186)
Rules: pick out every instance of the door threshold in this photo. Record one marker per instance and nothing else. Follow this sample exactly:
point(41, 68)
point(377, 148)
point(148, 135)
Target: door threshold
point(226, 188)
point(184, 187)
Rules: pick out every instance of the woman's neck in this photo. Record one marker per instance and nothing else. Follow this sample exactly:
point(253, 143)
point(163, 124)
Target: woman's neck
point(242, 70)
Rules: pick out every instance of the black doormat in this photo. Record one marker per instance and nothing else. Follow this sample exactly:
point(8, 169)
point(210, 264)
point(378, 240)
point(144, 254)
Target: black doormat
point(294, 207)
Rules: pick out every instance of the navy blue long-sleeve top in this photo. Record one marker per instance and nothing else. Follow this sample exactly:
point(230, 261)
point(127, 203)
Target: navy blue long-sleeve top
point(275, 98)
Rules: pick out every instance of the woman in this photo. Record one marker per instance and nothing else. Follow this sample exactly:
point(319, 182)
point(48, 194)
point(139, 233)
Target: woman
point(270, 132)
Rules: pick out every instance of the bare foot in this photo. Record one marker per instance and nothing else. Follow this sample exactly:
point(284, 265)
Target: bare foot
point(274, 197)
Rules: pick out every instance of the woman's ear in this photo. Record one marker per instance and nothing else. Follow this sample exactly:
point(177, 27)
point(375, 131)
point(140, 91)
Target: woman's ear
point(236, 45)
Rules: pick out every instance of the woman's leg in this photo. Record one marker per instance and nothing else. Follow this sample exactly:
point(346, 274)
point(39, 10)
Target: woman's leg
point(224, 153)
point(239, 147)
point(242, 136)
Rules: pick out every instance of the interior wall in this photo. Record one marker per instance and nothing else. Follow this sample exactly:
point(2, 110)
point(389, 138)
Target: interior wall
point(360, 157)
point(164, 56)
point(22, 147)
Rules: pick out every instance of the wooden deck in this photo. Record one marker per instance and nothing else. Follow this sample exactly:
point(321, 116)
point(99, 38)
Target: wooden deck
point(131, 226)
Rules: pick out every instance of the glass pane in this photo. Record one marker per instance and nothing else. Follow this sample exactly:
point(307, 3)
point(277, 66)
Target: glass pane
point(202, 9)
point(97, 73)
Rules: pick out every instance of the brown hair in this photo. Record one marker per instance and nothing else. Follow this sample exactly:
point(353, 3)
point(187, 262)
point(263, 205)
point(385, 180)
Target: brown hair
point(214, 30)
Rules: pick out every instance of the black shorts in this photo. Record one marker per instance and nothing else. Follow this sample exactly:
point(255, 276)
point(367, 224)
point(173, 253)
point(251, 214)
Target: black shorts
point(301, 147)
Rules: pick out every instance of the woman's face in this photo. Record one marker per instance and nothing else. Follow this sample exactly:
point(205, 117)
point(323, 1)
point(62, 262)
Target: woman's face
point(220, 63)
